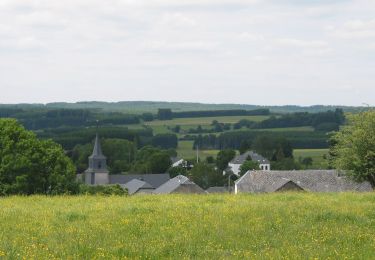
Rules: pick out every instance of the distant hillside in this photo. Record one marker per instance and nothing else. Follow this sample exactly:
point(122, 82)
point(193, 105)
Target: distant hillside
point(150, 106)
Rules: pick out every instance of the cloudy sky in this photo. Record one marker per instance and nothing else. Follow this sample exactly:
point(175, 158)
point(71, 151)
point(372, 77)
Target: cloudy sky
point(216, 51)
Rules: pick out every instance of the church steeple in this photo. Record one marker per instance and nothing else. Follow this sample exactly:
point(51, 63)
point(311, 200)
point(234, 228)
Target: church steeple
point(97, 172)
point(97, 161)
point(97, 152)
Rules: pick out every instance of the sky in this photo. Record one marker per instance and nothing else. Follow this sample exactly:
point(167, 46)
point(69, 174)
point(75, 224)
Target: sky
point(264, 52)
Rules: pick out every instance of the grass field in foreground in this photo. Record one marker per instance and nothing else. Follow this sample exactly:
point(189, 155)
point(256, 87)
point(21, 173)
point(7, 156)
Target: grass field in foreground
point(283, 225)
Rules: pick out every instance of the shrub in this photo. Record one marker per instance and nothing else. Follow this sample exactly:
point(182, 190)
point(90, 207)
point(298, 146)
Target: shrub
point(103, 190)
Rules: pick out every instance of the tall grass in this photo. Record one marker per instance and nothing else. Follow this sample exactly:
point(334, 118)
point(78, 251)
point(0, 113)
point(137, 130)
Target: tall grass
point(287, 225)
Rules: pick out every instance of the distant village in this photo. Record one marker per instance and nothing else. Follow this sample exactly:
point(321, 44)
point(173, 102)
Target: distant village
point(262, 180)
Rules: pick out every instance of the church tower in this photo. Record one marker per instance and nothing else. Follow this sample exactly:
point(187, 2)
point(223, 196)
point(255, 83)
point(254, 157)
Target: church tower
point(97, 173)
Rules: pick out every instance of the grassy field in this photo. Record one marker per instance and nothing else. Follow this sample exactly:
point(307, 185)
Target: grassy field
point(316, 154)
point(273, 226)
point(184, 150)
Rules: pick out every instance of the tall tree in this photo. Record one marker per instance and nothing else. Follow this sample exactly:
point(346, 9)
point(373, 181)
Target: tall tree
point(31, 166)
point(223, 158)
point(354, 147)
point(206, 176)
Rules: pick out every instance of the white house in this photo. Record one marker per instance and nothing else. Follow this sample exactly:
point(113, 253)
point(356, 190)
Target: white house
point(235, 164)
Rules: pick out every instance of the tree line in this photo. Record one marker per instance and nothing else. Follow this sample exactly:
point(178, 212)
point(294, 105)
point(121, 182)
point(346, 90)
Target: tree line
point(168, 114)
point(322, 121)
point(234, 139)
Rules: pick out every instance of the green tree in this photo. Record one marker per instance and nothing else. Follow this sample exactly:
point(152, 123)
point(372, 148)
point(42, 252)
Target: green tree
point(244, 146)
point(120, 154)
point(165, 114)
point(307, 161)
point(152, 160)
point(206, 176)
point(223, 158)
point(354, 147)
point(248, 165)
point(178, 170)
point(32, 166)
point(159, 162)
point(286, 164)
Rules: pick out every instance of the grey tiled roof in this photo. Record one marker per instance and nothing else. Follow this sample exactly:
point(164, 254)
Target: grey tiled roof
point(240, 159)
point(308, 180)
point(134, 185)
point(175, 183)
point(155, 180)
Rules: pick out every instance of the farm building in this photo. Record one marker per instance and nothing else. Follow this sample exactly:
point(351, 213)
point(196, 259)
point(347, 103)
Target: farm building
point(136, 186)
point(179, 184)
point(307, 180)
point(235, 164)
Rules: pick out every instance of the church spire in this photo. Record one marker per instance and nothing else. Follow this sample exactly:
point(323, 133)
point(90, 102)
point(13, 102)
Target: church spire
point(97, 151)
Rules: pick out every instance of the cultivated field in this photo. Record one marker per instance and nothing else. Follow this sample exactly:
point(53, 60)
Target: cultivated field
point(274, 226)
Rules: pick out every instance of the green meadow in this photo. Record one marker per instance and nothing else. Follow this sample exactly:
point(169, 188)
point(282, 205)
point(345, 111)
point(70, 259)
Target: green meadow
point(269, 226)
point(316, 154)
point(185, 150)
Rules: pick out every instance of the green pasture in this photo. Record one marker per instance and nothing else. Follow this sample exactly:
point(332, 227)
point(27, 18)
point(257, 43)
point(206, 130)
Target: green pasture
point(316, 154)
point(185, 150)
point(269, 226)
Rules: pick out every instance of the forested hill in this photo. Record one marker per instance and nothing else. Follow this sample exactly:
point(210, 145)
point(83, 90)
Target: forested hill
point(150, 106)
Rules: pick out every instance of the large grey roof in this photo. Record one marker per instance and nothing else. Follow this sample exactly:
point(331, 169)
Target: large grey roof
point(134, 185)
point(240, 159)
point(175, 183)
point(155, 180)
point(309, 180)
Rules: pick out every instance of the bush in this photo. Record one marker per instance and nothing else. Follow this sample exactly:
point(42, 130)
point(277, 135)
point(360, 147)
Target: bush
point(102, 190)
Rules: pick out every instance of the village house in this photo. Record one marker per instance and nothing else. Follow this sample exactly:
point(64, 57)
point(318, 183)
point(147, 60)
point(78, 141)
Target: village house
point(179, 184)
point(307, 180)
point(235, 164)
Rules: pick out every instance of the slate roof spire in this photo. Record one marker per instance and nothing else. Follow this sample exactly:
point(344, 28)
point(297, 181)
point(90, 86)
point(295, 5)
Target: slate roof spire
point(97, 151)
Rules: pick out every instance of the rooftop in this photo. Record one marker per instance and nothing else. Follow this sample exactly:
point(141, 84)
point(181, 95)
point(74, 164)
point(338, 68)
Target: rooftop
point(308, 180)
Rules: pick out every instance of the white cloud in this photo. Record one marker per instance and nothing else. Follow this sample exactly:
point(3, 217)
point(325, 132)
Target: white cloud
point(251, 36)
point(356, 29)
point(301, 43)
